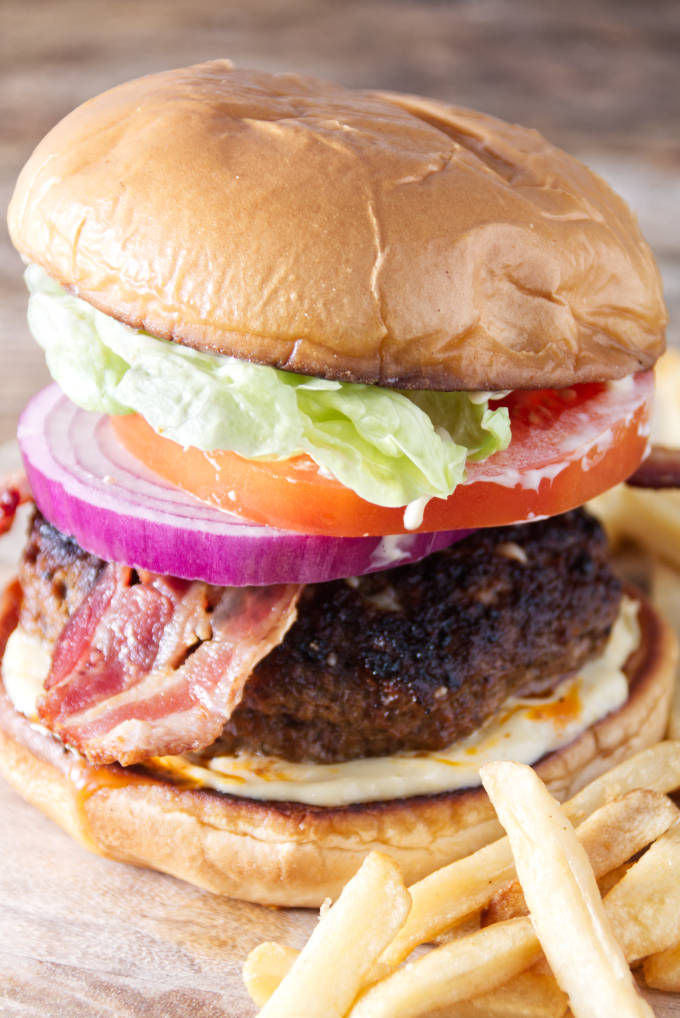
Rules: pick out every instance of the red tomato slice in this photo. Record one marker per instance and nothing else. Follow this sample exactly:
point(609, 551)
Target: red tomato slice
point(567, 446)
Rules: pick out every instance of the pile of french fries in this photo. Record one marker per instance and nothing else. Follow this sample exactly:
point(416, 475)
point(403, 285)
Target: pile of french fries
point(548, 921)
point(544, 920)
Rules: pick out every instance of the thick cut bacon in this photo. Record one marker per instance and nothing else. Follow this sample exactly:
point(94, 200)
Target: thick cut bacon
point(156, 667)
point(10, 602)
point(661, 469)
point(14, 491)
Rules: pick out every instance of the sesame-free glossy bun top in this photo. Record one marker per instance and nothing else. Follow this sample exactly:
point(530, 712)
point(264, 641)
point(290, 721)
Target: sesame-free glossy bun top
point(353, 235)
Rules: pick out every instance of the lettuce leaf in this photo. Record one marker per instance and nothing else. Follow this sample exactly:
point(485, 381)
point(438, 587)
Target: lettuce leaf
point(393, 448)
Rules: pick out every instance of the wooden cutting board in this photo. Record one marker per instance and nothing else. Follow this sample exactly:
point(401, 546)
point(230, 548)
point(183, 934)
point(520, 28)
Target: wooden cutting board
point(83, 937)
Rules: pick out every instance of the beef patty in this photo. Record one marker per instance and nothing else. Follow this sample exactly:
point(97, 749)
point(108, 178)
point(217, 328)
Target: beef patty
point(408, 659)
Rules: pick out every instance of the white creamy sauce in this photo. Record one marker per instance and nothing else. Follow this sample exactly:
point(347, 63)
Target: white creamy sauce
point(413, 513)
point(25, 665)
point(386, 600)
point(511, 477)
point(621, 385)
point(390, 550)
point(580, 435)
point(594, 455)
point(525, 730)
point(483, 397)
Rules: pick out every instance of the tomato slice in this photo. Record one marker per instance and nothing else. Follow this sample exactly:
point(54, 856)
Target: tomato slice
point(568, 445)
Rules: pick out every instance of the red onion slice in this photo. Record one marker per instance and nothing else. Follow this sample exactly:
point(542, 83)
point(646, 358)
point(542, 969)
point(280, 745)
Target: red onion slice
point(89, 486)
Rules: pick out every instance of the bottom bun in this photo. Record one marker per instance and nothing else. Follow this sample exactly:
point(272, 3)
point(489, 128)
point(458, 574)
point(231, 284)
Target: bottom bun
point(292, 854)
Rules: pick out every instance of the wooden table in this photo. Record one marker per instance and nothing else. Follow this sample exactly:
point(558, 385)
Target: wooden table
point(83, 936)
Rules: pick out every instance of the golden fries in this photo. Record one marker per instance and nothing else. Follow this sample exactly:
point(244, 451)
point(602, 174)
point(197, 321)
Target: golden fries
point(648, 517)
point(464, 968)
point(531, 994)
point(446, 896)
point(662, 970)
point(644, 907)
point(562, 895)
point(665, 590)
point(611, 835)
point(657, 768)
point(332, 967)
point(353, 965)
point(264, 969)
point(666, 424)
point(451, 893)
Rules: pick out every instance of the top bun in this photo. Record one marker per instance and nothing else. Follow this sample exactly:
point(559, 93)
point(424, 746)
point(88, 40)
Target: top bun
point(352, 235)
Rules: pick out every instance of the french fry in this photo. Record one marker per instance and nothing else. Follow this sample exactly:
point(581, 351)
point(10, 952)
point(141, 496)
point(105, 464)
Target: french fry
point(534, 994)
point(505, 904)
point(452, 893)
point(650, 518)
point(622, 828)
point(666, 423)
point(562, 895)
point(644, 907)
point(657, 768)
point(264, 969)
point(456, 971)
point(334, 964)
point(611, 835)
point(662, 970)
point(447, 896)
point(439, 901)
point(531, 994)
point(665, 590)
point(537, 997)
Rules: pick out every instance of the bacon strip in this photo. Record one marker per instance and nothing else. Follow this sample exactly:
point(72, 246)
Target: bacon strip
point(156, 667)
point(10, 602)
point(14, 491)
point(661, 469)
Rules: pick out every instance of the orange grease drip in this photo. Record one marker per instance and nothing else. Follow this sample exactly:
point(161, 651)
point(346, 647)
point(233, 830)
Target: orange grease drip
point(87, 779)
point(168, 769)
point(560, 712)
point(179, 774)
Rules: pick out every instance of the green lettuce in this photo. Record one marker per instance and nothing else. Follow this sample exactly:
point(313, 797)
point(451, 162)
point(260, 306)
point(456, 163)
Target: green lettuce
point(393, 448)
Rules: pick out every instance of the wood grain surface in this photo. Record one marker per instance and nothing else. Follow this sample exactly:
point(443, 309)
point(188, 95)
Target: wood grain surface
point(81, 936)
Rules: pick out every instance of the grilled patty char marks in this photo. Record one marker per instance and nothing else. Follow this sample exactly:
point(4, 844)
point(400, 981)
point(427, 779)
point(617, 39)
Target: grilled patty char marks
point(408, 659)
point(55, 575)
point(420, 655)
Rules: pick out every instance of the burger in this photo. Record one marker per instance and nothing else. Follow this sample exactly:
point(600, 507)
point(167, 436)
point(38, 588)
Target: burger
point(334, 372)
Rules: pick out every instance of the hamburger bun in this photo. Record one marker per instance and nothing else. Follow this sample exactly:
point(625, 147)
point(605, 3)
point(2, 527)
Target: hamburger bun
point(415, 244)
point(298, 855)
